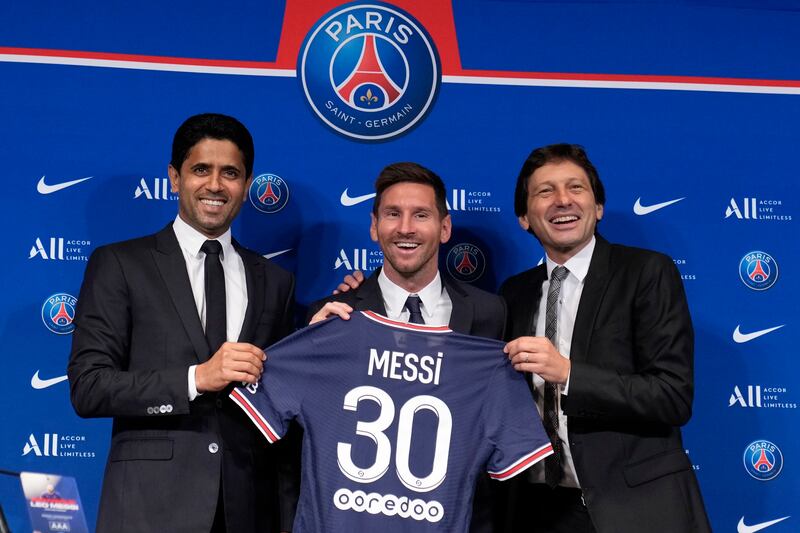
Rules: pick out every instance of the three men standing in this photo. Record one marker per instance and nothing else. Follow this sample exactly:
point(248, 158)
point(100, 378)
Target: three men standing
point(167, 323)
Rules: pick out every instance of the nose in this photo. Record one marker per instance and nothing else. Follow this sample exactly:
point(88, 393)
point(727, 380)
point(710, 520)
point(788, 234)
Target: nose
point(214, 183)
point(406, 225)
point(562, 196)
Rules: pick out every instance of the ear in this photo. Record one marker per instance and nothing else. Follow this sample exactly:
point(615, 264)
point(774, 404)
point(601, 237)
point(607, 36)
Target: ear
point(447, 229)
point(598, 211)
point(523, 222)
point(174, 178)
point(373, 227)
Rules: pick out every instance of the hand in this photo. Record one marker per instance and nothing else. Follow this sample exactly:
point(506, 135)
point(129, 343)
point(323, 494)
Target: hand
point(350, 282)
point(340, 309)
point(539, 356)
point(234, 361)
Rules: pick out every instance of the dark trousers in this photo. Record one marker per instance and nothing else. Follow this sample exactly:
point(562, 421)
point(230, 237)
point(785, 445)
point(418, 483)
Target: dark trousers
point(536, 508)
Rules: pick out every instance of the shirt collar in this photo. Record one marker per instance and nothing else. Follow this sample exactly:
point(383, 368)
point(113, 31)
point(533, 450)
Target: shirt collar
point(191, 240)
point(394, 296)
point(578, 264)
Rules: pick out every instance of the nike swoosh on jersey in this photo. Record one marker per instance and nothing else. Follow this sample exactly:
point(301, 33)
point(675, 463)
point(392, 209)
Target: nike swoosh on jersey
point(38, 383)
point(276, 254)
point(640, 209)
point(744, 528)
point(740, 337)
point(348, 200)
point(44, 188)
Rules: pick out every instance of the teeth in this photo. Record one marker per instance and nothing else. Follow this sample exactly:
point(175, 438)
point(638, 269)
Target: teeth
point(407, 245)
point(213, 202)
point(568, 218)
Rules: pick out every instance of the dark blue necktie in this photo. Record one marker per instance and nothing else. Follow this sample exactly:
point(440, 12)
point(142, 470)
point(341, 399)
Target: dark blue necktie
point(414, 312)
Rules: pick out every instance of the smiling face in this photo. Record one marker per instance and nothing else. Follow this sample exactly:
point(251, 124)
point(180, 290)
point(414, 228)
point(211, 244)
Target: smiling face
point(211, 184)
point(409, 230)
point(561, 209)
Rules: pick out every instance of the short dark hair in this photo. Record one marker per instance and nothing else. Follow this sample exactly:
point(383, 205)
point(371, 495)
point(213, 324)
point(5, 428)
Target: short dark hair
point(410, 173)
point(212, 126)
point(555, 153)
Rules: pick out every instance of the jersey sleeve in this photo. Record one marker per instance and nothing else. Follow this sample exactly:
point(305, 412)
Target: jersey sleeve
point(513, 425)
point(291, 369)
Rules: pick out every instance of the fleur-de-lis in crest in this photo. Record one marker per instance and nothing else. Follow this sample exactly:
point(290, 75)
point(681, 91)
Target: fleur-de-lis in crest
point(369, 98)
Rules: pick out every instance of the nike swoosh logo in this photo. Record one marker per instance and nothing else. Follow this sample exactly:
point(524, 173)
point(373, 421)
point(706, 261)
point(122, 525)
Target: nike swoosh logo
point(38, 383)
point(744, 528)
point(740, 337)
point(276, 254)
point(348, 200)
point(640, 209)
point(44, 188)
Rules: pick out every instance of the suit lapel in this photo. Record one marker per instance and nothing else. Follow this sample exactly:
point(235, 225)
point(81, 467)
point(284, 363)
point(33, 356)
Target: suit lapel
point(369, 297)
point(255, 278)
point(593, 289)
point(172, 266)
point(462, 312)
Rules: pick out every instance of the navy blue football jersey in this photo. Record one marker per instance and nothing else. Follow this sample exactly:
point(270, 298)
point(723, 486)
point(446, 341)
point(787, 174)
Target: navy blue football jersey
point(399, 420)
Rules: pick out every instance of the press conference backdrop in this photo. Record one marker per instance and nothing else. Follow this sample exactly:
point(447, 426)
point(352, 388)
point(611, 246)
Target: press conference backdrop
point(690, 110)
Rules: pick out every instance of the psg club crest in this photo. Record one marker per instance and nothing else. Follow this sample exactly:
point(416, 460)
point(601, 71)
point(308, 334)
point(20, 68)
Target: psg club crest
point(369, 70)
point(58, 312)
point(269, 193)
point(763, 460)
point(758, 270)
point(466, 262)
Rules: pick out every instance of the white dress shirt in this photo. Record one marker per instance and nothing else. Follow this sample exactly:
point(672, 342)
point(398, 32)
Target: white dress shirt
point(190, 241)
point(569, 298)
point(435, 303)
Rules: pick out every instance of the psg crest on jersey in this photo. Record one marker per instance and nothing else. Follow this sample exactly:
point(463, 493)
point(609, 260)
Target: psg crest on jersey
point(269, 193)
point(369, 70)
point(466, 262)
point(763, 460)
point(758, 270)
point(58, 311)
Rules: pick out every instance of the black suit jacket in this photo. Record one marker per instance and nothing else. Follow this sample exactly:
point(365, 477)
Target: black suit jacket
point(137, 331)
point(475, 312)
point(631, 388)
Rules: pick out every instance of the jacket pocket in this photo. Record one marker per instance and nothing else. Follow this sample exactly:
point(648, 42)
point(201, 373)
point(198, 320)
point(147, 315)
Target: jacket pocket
point(655, 467)
point(154, 449)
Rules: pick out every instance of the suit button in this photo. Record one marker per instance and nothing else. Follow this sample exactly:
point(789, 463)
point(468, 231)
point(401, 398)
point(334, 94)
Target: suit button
point(169, 407)
point(219, 403)
point(149, 410)
point(213, 447)
point(163, 409)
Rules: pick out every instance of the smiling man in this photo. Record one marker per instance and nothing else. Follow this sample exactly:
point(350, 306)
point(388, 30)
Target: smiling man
point(410, 221)
point(605, 334)
point(165, 325)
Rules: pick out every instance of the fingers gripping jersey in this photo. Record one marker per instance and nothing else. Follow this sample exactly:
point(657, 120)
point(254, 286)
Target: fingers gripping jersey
point(398, 420)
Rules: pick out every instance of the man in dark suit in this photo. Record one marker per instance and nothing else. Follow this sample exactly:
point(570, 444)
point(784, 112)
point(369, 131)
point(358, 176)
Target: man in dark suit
point(607, 329)
point(410, 221)
point(165, 324)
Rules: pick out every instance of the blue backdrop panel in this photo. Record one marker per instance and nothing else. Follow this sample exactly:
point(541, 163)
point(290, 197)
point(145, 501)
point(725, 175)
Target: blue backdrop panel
point(721, 161)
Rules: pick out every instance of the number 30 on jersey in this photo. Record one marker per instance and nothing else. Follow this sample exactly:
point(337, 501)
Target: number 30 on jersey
point(383, 456)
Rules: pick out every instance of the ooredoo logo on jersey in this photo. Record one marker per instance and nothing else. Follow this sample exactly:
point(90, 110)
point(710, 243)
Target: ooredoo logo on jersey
point(369, 70)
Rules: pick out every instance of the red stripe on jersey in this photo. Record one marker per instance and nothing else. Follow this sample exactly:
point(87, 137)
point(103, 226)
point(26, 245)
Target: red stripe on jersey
point(526, 462)
point(254, 415)
point(417, 327)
